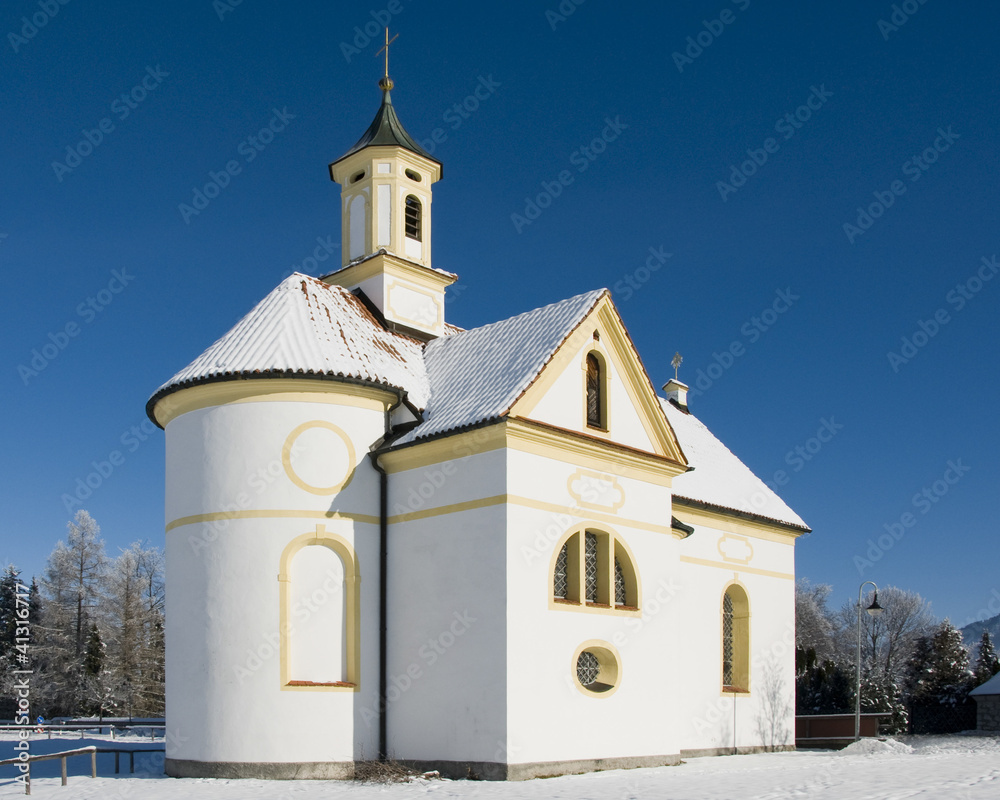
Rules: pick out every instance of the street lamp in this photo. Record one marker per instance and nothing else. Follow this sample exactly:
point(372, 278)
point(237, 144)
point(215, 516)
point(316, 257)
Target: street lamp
point(873, 610)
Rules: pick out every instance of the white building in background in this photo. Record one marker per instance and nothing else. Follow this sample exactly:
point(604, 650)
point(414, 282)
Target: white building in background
point(494, 552)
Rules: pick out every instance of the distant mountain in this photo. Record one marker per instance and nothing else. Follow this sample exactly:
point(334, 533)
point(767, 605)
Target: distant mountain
point(973, 632)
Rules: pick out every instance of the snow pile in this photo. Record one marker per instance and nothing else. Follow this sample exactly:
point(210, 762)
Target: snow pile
point(875, 747)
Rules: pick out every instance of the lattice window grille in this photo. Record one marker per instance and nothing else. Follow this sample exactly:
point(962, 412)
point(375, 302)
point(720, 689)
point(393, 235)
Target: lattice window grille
point(593, 392)
point(587, 668)
point(620, 596)
point(560, 581)
point(590, 566)
point(727, 640)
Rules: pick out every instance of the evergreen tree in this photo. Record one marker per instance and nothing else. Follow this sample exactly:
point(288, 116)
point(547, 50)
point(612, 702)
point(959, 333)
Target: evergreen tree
point(16, 637)
point(918, 670)
point(939, 669)
point(881, 693)
point(822, 687)
point(8, 609)
point(93, 659)
point(987, 663)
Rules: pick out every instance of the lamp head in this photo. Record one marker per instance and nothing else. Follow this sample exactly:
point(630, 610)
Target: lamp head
point(875, 609)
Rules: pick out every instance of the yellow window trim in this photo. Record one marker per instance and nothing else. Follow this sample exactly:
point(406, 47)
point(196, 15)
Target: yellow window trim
point(604, 389)
point(741, 639)
point(352, 612)
point(611, 544)
point(610, 662)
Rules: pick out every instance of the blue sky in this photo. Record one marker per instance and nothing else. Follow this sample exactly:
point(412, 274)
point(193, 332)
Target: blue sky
point(854, 366)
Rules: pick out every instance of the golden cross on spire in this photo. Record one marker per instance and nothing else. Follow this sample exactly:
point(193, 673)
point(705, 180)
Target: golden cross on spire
point(385, 47)
point(676, 363)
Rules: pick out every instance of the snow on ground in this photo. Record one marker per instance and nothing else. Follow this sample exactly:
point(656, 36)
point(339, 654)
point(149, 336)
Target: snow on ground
point(931, 767)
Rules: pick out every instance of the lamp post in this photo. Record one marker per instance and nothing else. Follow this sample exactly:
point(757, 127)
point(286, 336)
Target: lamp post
point(873, 610)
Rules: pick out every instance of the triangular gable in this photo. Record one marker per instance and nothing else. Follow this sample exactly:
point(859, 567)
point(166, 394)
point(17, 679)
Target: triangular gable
point(478, 374)
point(558, 395)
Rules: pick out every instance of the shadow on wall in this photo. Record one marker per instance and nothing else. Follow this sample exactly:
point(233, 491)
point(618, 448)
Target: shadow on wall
point(774, 709)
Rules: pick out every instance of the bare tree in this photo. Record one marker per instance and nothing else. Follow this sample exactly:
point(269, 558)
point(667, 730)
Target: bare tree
point(814, 623)
point(135, 628)
point(887, 639)
point(73, 587)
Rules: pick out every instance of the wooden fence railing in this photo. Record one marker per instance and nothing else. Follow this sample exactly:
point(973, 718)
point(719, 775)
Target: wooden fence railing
point(92, 751)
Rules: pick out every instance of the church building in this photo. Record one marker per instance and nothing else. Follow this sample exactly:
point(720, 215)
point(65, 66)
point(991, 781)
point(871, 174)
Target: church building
point(494, 552)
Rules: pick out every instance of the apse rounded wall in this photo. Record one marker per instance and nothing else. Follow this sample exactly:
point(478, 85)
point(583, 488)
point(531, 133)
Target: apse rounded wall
point(265, 494)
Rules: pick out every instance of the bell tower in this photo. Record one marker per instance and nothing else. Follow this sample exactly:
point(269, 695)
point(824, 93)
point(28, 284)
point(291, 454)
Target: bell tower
point(386, 180)
point(386, 196)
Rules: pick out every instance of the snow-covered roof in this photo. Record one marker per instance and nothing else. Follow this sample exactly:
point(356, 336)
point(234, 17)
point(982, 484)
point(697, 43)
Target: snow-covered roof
point(992, 686)
point(306, 327)
point(719, 478)
point(478, 374)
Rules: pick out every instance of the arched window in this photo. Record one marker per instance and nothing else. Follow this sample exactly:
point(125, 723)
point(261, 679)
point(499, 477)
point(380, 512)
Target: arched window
point(735, 640)
point(319, 612)
point(594, 569)
point(595, 390)
point(412, 218)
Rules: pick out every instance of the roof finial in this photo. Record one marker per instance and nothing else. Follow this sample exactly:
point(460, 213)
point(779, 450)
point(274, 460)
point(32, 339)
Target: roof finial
point(385, 82)
point(676, 363)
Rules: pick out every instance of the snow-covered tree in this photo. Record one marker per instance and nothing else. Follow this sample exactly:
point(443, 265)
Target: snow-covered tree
point(135, 628)
point(814, 622)
point(17, 641)
point(73, 587)
point(880, 693)
point(823, 682)
point(888, 639)
point(987, 663)
point(938, 671)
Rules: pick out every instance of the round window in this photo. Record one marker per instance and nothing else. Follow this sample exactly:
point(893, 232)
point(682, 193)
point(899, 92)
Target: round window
point(597, 668)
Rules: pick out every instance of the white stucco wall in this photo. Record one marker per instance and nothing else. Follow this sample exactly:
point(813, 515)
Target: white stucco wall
point(550, 718)
point(447, 622)
point(764, 717)
point(224, 696)
point(564, 403)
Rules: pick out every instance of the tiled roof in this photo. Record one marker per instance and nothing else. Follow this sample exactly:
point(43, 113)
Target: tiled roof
point(305, 327)
point(478, 374)
point(719, 478)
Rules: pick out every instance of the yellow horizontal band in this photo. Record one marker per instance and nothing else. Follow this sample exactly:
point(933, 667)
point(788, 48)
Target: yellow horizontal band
point(269, 514)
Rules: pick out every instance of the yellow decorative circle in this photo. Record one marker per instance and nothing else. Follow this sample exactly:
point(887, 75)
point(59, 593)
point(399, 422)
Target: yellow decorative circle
point(286, 457)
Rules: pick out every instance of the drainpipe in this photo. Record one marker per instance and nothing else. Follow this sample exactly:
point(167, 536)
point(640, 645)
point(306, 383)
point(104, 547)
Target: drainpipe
point(383, 609)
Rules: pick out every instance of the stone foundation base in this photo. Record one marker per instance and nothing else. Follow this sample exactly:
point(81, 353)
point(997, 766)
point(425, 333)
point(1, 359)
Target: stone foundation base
point(493, 771)
point(471, 770)
point(741, 751)
point(303, 770)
